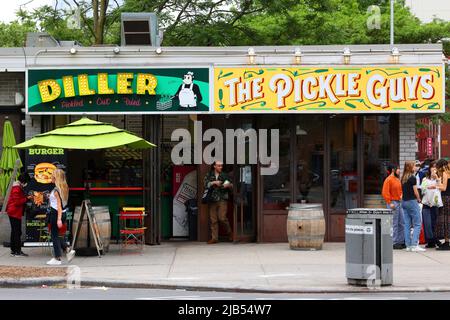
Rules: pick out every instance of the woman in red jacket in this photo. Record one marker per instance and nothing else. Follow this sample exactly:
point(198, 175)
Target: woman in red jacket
point(16, 203)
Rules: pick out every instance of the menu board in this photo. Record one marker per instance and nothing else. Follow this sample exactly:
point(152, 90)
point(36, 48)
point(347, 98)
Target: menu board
point(40, 164)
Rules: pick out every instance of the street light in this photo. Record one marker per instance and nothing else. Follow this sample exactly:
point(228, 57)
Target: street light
point(392, 23)
point(251, 55)
point(347, 54)
point(395, 55)
point(297, 56)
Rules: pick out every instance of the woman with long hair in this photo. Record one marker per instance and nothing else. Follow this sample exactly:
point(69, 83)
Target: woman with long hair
point(58, 201)
point(432, 201)
point(410, 205)
point(442, 226)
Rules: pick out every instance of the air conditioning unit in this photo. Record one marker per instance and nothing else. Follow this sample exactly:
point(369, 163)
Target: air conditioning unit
point(40, 39)
point(139, 29)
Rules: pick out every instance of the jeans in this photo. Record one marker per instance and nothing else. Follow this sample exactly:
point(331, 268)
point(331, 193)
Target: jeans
point(429, 215)
point(58, 241)
point(398, 223)
point(16, 235)
point(413, 219)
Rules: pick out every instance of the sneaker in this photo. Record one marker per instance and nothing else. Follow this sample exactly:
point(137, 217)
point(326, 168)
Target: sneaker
point(408, 249)
point(212, 241)
point(54, 262)
point(12, 254)
point(22, 254)
point(399, 246)
point(418, 249)
point(70, 255)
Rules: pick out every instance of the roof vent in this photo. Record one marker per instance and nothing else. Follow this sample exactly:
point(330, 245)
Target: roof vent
point(139, 29)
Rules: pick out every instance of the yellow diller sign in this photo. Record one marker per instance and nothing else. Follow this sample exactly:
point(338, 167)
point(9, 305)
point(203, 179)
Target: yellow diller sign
point(329, 89)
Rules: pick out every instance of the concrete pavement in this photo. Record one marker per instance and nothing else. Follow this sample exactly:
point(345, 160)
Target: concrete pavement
point(244, 267)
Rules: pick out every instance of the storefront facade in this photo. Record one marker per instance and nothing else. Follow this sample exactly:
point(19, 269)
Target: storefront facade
point(336, 135)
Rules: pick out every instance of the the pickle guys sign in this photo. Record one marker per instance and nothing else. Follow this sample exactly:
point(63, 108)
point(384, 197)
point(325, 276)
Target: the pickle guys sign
point(328, 89)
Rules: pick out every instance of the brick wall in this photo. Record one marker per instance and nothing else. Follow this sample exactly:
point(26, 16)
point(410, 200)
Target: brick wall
point(32, 126)
point(10, 83)
point(407, 136)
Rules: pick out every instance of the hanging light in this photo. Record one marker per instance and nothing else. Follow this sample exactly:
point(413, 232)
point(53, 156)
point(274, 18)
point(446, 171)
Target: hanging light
point(297, 56)
point(347, 54)
point(395, 55)
point(251, 55)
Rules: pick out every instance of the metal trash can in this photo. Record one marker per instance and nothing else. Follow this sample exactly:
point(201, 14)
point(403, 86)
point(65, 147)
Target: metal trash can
point(368, 247)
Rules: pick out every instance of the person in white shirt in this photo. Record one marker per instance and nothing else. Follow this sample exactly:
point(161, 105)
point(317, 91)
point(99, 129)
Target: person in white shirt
point(58, 201)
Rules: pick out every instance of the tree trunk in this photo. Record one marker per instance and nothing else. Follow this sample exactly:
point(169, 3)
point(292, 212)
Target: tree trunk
point(99, 15)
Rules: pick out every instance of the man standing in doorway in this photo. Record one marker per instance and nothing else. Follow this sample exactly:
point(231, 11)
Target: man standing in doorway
point(392, 194)
point(221, 184)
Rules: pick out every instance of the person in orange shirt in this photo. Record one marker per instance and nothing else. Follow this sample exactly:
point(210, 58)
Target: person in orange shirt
point(392, 194)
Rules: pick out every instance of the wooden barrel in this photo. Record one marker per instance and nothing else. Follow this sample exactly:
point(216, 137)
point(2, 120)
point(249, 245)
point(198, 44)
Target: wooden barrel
point(374, 201)
point(305, 226)
point(103, 219)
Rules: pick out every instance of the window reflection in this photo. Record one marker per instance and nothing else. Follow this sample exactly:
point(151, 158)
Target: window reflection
point(277, 187)
point(343, 162)
point(310, 152)
point(377, 151)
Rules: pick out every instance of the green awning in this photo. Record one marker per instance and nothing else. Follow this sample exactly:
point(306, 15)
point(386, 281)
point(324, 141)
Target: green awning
point(86, 134)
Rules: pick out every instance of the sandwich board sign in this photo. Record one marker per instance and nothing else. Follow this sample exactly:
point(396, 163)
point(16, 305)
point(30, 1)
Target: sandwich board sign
point(39, 165)
point(86, 209)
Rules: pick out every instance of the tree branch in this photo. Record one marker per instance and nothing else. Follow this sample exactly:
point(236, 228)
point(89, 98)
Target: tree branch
point(177, 20)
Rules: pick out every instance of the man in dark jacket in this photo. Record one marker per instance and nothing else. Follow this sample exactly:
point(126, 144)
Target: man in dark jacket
point(221, 184)
point(16, 202)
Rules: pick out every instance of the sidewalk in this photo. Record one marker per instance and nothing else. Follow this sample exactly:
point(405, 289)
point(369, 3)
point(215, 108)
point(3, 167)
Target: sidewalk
point(244, 267)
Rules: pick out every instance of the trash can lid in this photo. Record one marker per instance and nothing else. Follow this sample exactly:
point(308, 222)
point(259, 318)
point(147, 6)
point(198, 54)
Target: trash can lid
point(369, 211)
point(305, 206)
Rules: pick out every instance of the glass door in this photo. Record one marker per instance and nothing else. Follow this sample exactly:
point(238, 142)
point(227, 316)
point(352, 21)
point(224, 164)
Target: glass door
point(244, 181)
point(309, 151)
point(343, 175)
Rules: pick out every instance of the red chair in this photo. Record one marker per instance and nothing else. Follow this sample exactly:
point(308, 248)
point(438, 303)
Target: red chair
point(132, 229)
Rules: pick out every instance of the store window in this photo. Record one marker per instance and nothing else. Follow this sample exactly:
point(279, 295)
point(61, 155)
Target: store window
point(309, 135)
point(277, 188)
point(119, 167)
point(377, 154)
point(343, 162)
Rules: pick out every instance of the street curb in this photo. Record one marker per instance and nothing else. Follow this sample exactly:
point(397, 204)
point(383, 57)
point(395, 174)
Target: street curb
point(52, 281)
point(140, 285)
point(31, 282)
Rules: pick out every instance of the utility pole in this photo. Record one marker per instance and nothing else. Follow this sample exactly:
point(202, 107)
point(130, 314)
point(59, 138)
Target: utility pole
point(392, 22)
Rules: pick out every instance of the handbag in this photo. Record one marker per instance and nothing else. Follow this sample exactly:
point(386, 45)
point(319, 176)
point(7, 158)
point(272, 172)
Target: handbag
point(207, 195)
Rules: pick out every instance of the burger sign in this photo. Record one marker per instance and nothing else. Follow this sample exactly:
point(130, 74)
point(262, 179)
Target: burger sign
point(43, 172)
